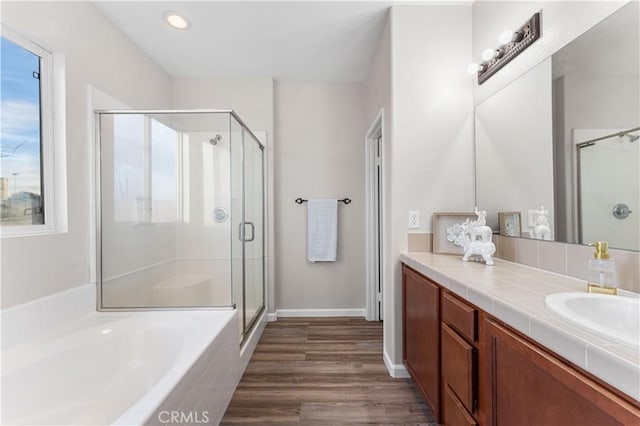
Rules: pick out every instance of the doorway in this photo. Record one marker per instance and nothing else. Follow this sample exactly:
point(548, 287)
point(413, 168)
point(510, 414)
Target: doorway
point(374, 151)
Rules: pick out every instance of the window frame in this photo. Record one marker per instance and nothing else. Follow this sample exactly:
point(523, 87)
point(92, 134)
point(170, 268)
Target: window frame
point(52, 141)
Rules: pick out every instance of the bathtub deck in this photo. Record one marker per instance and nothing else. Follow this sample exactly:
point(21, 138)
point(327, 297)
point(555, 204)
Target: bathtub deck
point(323, 370)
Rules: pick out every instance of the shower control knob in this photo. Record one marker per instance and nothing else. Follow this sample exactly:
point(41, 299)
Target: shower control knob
point(220, 214)
point(621, 211)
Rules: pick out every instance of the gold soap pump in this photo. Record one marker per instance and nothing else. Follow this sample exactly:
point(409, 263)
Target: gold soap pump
point(602, 270)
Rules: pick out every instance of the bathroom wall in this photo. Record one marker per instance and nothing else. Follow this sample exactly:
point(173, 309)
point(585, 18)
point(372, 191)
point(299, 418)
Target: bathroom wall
point(253, 101)
point(432, 133)
point(320, 154)
point(96, 54)
point(562, 21)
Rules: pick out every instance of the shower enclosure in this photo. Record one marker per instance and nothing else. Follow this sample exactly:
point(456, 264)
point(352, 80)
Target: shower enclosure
point(180, 212)
point(609, 188)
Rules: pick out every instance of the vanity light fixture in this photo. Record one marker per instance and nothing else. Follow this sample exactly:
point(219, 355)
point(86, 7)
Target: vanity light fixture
point(176, 20)
point(513, 43)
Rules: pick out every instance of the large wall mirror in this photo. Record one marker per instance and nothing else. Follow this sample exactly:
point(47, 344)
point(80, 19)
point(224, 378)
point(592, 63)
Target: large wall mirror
point(560, 146)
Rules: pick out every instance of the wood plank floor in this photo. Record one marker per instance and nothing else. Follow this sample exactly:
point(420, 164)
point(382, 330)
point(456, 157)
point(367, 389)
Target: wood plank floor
point(323, 371)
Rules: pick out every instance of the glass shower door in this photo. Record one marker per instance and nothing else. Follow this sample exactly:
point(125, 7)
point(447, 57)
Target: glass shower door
point(253, 229)
point(247, 222)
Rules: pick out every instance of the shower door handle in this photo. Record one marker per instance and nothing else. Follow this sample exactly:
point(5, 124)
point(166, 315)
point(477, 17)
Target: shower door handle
point(242, 234)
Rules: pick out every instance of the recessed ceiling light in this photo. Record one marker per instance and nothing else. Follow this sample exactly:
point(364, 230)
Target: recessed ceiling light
point(176, 20)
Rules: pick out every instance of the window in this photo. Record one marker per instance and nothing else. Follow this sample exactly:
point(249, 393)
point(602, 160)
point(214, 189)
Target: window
point(145, 170)
point(26, 137)
point(21, 154)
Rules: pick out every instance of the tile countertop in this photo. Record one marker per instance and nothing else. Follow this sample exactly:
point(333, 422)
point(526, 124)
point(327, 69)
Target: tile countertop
point(515, 294)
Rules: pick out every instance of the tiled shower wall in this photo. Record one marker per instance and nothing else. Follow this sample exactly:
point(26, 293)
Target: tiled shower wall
point(561, 258)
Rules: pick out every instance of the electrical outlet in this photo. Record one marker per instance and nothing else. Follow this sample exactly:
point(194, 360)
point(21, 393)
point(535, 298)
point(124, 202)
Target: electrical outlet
point(414, 219)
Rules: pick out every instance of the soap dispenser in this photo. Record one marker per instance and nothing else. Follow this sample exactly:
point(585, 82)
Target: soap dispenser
point(602, 270)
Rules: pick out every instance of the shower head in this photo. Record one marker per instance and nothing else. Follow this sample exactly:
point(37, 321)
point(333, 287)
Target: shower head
point(214, 141)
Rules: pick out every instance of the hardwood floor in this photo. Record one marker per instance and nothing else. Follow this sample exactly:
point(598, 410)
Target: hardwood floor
point(323, 371)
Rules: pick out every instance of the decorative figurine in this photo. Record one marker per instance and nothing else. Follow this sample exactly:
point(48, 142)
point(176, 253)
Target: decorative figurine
point(542, 230)
point(474, 237)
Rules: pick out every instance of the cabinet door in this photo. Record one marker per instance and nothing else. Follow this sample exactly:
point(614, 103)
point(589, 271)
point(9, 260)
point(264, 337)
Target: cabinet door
point(421, 335)
point(528, 386)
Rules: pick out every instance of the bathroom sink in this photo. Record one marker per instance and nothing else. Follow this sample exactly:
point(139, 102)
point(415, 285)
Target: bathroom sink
point(613, 317)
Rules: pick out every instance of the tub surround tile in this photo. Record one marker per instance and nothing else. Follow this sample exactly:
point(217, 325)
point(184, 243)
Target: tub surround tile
point(515, 294)
point(27, 321)
point(209, 384)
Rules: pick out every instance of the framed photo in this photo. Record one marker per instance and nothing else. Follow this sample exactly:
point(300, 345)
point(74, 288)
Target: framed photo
point(510, 224)
point(445, 225)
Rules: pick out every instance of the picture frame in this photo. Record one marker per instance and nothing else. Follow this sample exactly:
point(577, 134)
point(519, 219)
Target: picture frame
point(510, 224)
point(441, 222)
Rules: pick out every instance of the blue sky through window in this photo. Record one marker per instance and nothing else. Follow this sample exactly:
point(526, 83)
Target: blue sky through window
point(19, 118)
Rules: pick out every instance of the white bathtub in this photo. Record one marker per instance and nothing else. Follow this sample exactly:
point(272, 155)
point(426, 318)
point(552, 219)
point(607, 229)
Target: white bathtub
point(111, 368)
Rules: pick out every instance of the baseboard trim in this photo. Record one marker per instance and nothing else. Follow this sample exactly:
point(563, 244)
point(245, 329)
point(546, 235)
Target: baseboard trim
point(319, 313)
point(271, 317)
point(397, 371)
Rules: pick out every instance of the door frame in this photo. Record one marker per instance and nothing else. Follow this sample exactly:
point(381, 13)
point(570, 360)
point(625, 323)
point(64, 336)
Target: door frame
point(374, 263)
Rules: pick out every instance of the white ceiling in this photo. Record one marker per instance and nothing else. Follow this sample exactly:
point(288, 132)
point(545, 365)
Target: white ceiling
point(287, 40)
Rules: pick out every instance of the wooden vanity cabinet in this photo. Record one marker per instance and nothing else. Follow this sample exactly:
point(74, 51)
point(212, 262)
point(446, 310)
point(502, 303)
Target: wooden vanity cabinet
point(421, 335)
point(474, 370)
point(530, 386)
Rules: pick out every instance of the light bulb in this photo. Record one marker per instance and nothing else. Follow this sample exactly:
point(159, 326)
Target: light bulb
point(488, 54)
point(473, 68)
point(506, 37)
point(176, 20)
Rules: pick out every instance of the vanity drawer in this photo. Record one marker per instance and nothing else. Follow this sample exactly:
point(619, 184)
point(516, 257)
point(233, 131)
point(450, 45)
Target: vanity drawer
point(459, 365)
point(460, 316)
point(454, 412)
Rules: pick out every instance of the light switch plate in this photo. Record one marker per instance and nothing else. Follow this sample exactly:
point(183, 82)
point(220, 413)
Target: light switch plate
point(414, 219)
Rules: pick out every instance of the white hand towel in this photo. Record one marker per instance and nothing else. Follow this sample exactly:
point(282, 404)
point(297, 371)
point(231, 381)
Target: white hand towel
point(322, 230)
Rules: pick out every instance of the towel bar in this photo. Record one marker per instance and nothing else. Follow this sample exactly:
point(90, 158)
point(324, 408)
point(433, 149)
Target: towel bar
point(344, 200)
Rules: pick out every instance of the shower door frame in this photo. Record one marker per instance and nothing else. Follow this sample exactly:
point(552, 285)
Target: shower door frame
point(98, 213)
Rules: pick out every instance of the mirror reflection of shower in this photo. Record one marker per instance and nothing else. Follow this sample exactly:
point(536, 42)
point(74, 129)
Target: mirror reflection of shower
point(632, 137)
point(609, 187)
